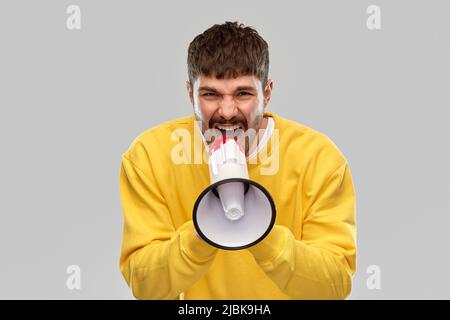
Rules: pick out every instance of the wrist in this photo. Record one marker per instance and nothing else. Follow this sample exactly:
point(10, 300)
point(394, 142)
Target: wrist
point(272, 245)
point(193, 245)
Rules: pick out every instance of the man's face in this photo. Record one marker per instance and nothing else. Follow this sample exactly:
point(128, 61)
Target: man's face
point(229, 105)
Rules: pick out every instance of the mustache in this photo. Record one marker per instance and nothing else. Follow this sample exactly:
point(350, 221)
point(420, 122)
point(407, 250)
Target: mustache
point(232, 121)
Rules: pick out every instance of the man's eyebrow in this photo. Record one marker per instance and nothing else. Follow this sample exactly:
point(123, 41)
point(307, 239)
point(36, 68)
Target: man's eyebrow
point(245, 88)
point(240, 88)
point(206, 88)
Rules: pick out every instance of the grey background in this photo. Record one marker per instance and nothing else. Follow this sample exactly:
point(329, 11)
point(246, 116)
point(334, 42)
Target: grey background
point(72, 101)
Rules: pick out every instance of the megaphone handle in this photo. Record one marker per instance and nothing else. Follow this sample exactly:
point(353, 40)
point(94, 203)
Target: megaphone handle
point(246, 187)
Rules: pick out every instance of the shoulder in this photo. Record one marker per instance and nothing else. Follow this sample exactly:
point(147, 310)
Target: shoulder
point(155, 140)
point(307, 144)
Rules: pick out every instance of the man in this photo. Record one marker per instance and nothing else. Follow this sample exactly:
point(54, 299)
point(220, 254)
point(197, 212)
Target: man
point(310, 252)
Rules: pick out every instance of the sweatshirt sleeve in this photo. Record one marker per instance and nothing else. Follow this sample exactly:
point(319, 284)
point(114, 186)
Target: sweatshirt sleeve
point(157, 261)
point(322, 263)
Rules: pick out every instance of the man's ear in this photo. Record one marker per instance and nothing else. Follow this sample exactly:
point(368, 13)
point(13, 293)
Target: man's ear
point(268, 92)
point(189, 89)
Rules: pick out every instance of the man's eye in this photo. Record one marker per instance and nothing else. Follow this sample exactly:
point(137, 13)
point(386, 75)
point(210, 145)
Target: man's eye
point(244, 93)
point(209, 94)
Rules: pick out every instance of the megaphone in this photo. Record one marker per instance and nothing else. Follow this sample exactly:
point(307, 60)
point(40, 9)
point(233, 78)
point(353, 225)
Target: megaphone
point(234, 212)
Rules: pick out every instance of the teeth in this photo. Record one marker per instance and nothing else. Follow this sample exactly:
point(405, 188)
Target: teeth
point(228, 127)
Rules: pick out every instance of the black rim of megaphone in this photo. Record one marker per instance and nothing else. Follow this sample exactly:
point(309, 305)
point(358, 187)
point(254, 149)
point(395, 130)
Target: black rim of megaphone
point(213, 187)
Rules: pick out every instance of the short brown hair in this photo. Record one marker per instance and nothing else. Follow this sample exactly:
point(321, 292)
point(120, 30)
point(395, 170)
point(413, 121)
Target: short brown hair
point(228, 50)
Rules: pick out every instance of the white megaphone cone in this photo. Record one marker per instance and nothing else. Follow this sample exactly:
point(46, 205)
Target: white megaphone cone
point(234, 212)
point(231, 196)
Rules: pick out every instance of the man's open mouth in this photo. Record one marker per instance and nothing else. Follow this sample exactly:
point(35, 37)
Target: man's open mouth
point(229, 131)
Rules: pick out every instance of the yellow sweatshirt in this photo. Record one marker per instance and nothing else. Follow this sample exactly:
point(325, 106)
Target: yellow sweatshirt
point(309, 254)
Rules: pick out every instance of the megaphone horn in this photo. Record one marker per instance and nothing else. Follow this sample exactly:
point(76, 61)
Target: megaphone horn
point(234, 212)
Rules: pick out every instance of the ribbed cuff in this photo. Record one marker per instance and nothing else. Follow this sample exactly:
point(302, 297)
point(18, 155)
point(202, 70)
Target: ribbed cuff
point(271, 246)
point(193, 245)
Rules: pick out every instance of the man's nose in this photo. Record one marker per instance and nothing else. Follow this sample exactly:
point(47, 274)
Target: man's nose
point(228, 108)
